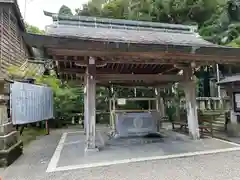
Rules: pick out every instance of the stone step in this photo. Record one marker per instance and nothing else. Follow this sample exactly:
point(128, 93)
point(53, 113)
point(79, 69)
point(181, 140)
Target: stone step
point(219, 122)
point(218, 125)
point(221, 117)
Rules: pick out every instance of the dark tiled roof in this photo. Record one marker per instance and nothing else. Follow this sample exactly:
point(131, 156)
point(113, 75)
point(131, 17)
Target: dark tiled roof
point(128, 35)
point(116, 30)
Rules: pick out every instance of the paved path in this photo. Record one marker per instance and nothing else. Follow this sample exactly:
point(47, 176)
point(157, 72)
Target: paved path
point(33, 164)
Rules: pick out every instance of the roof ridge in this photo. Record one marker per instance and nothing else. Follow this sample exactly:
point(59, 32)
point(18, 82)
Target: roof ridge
point(89, 19)
point(122, 28)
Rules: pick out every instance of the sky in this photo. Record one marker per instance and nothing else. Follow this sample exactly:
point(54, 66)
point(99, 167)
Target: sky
point(34, 10)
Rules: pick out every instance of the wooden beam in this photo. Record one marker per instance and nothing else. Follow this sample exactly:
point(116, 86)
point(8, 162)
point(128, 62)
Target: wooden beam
point(138, 99)
point(123, 70)
point(126, 84)
point(138, 77)
point(118, 60)
point(125, 60)
point(149, 57)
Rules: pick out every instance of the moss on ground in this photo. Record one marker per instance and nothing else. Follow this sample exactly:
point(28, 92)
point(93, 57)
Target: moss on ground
point(30, 134)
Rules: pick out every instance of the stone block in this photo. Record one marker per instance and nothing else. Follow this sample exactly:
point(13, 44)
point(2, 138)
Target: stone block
point(89, 151)
point(202, 105)
point(2, 144)
point(6, 129)
point(8, 140)
point(7, 157)
point(233, 130)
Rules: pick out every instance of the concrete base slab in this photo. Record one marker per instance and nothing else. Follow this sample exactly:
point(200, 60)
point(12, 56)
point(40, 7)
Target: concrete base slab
point(91, 150)
point(118, 151)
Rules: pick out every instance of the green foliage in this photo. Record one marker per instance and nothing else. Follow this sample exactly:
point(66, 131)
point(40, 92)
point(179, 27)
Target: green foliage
point(235, 43)
point(33, 29)
point(174, 11)
point(92, 8)
point(64, 10)
point(216, 19)
point(30, 134)
point(114, 9)
point(67, 100)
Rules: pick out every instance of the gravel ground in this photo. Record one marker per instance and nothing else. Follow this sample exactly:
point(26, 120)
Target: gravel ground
point(1, 171)
point(32, 166)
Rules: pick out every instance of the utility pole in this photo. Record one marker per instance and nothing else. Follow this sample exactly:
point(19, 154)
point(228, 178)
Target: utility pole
point(25, 9)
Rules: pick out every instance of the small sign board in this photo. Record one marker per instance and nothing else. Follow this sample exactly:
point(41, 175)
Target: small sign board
point(236, 102)
point(121, 101)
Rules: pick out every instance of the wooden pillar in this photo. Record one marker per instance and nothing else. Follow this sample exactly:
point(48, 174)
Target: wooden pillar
point(157, 93)
point(114, 113)
point(91, 106)
point(149, 106)
point(177, 106)
point(85, 105)
point(233, 117)
point(110, 94)
point(110, 112)
point(161, 103)
point(162, 107)
point(209, 104)
point(191, 104)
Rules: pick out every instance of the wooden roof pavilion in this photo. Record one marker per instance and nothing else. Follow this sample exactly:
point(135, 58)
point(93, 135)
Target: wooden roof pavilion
point(126, 52)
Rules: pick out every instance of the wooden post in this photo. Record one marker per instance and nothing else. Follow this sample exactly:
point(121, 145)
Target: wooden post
point(209, 104)
point(177, 107)
point(91, 106)
point(47, 127)
point(190, 93)
point(85, 105)
point(157, 93)
point(161, 103)
point(162, 107)
point(110, 95)
point(110, 112)
point(149, 105)
point(114, 113)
